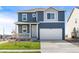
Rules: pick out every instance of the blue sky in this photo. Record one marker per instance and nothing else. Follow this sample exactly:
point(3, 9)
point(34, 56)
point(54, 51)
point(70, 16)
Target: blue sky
point(8, 15)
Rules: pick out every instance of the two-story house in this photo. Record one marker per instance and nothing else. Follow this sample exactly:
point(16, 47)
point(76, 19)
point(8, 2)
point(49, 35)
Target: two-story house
point(73, 23)
point(42, 23)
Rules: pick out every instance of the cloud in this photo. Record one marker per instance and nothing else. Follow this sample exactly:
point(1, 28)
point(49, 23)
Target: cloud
point(7, 18)
point(7, 22)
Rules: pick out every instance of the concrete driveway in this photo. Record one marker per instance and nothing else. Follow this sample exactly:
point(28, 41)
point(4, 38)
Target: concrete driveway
point(59, 47)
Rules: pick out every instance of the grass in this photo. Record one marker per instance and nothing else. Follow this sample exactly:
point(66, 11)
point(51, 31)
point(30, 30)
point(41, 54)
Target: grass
point(20, 45)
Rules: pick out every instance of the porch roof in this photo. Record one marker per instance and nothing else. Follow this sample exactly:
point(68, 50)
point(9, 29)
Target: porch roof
point(17, 23)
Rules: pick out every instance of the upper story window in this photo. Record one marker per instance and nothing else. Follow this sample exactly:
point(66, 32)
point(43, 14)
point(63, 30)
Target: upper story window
point(24, 17)
point(33, 15)
point(50, 16)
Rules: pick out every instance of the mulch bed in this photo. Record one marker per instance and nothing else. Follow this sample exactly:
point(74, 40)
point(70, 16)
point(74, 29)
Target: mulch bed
point(73, 41)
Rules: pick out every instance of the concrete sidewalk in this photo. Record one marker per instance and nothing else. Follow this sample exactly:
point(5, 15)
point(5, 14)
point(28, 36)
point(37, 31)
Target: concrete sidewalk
point(1, 42)
point(16, 51)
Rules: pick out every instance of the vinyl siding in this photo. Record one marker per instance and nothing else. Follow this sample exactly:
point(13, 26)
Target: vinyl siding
point(19, 17)
point(40, 16)
point(29, 17)
point(61, 16)
point(51, 25)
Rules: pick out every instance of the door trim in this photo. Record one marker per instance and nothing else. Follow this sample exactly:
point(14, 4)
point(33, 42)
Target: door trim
point(34, 29)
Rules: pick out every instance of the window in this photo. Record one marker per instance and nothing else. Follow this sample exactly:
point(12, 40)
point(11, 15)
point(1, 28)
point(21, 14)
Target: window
point(50, 16)
point(24, 17)
point(33, 15)
point(24, 29)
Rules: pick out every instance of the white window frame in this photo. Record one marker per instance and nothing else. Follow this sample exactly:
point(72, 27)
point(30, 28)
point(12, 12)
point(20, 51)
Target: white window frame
point(50, 15)
point(23, 28)
point(22, 17)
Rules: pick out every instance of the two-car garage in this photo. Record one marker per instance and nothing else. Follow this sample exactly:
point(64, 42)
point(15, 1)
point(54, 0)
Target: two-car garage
point(51, 34)
point(51, 31)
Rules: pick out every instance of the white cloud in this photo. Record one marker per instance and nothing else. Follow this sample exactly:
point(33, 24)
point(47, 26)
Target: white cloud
point(6, 22)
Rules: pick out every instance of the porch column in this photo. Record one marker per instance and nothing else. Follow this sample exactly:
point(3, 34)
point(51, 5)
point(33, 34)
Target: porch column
point(16, 30)
point(30, 30)
point(37, 30)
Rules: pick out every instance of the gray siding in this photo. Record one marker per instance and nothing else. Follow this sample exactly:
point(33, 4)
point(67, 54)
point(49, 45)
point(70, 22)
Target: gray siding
point(29, 17)
point(63, 34)
point(19, 17)
point(52, 25)
point(40, 15)
point(61, 15)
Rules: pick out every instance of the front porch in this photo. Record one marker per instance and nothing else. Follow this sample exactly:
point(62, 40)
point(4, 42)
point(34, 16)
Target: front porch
point(27, 31)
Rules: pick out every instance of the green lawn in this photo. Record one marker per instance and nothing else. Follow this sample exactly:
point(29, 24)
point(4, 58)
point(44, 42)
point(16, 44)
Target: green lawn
point(20, 45)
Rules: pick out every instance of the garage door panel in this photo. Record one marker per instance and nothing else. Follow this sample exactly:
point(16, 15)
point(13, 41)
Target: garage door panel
point(51, 34)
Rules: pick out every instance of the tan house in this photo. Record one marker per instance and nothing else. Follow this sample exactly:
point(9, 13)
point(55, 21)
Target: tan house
point(73, 23)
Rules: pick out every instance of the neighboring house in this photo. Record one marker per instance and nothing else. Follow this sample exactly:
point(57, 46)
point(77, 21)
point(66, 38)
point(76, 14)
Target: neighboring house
point(73, 23)
point(42, 23)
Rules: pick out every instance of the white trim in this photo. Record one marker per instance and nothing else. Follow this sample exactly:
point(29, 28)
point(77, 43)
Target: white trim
point(30, 30)
point(37, 30)
point(22, 16)
point(52, 22)
point(40, 22)
point(51, 11)
point(26, 23)
point(50, 16)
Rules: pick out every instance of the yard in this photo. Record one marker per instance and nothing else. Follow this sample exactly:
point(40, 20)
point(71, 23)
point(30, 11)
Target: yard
point(23, 45)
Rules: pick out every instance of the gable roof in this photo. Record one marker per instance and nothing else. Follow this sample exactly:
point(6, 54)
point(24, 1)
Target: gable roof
point(39, 9)
point(72, 12)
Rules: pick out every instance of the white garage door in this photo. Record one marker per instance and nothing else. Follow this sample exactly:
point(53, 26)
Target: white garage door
point(51, 34)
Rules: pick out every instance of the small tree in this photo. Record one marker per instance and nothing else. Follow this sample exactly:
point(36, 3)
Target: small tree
point(75, 32)
point(14, 34)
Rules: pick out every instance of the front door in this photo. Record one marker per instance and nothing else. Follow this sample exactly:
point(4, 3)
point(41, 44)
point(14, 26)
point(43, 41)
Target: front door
point(34, 30)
